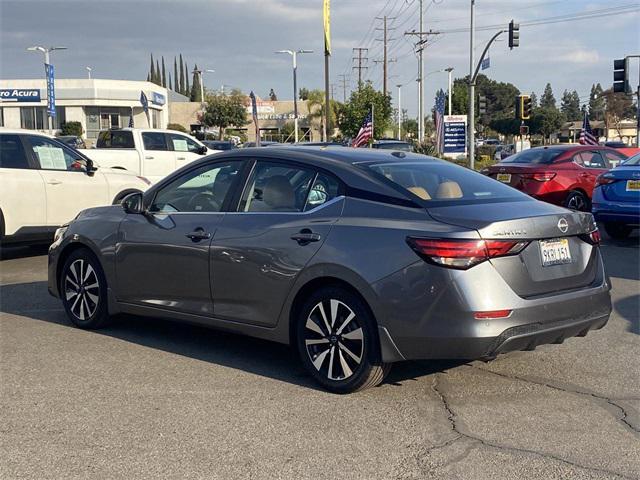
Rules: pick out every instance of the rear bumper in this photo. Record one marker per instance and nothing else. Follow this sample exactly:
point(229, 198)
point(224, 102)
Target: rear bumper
point(611, 212)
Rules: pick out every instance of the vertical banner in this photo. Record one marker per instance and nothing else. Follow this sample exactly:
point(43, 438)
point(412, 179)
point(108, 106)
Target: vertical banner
point(254, 114)
point(51, 94)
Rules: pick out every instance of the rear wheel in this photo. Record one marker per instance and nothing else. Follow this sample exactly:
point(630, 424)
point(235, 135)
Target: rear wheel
point(83, 289)
point(337, 341)
point(619, 231)
point(577, 201)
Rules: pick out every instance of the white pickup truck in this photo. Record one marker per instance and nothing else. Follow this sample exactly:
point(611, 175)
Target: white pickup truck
point(148, 152)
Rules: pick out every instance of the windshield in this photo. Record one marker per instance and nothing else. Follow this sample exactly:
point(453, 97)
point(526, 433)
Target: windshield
point(534, 155)
point(633, 161)
point(443, 182)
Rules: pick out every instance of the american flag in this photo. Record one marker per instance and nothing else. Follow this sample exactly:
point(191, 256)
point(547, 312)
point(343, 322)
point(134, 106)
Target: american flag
point(586, 134)
point(439, 111)
point(365, 133)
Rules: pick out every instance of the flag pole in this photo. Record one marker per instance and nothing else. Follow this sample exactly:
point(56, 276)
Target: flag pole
point(372, 127)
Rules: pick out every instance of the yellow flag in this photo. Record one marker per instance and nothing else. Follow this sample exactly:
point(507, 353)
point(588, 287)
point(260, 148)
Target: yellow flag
point(327, 27)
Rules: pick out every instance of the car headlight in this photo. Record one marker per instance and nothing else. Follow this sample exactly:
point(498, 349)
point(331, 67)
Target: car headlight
point(60, 233)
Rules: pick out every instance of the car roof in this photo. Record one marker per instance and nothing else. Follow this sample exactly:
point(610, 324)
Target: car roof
point(24, 131)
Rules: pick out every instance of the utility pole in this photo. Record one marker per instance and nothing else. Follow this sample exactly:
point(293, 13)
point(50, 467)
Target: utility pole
point(449, 70)
point(385, 59)
point(472, 91)
point(333, 90)
point(343, 81)
point(399, 111)
point(361, 58)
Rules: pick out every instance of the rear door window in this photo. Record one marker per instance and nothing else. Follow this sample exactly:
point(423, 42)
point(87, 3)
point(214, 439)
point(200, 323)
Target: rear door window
point(12, 153)
point(154, 141)
point(181, 143)
point(590, 159)
point(444, 183)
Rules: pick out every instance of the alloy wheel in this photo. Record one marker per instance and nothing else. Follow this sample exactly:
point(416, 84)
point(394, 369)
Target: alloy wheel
point(81, 289)
point(334, 339)
point(577, 202)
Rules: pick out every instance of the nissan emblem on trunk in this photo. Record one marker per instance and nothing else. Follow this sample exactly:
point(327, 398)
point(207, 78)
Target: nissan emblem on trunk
point(563, 225)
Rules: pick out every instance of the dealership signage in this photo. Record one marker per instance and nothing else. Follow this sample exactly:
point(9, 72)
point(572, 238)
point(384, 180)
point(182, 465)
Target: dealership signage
point(158, 99)
point(20, 95)
point(455, 134)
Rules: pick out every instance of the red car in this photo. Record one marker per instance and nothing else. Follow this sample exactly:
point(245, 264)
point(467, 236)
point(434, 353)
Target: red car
point(560, 174)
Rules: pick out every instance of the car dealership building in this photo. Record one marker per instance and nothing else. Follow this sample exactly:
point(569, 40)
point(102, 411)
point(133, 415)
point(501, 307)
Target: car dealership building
point(97, 104)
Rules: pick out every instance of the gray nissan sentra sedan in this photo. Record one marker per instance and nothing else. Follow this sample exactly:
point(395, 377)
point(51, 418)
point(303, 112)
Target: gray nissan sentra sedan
point(359, 258)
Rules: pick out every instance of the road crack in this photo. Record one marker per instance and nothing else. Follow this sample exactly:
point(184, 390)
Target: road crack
point(623, 417)
point(453, 421)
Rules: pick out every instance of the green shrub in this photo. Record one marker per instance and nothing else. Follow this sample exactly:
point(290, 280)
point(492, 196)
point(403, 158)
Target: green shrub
point(71, 128)
point(177, 127)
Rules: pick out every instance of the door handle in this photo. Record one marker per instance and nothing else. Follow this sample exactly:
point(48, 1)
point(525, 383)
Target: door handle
point(198, 234)
point(149, 158)
point(53, 181)
point(306, 236)
point(181, 158)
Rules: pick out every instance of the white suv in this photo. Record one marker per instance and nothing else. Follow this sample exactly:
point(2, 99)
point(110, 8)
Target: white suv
point(44, 184)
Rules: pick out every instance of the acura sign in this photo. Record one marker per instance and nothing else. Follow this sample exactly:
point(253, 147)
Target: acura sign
point(20, 95)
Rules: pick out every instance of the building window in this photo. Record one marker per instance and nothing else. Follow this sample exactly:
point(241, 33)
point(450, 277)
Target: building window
point(106, 118)
point(155, 115)
point(35, 118)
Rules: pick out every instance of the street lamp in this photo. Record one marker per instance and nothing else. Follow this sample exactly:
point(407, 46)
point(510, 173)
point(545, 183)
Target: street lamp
point(88, 72)
point(46, 52)
point(449, 70)
point(294, 54)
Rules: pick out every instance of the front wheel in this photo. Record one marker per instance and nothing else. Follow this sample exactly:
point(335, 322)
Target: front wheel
point(337, 341)
point(577, 201)
point(617, 231)
point(83, 289)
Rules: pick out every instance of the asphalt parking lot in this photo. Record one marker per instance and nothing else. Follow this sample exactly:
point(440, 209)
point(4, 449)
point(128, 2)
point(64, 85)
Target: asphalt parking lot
point(148, 398)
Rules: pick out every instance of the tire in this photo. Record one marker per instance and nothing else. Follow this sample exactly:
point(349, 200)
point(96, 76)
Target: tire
point(577, 201)
point(83, 289)
point(339, 349)
point(618, 231)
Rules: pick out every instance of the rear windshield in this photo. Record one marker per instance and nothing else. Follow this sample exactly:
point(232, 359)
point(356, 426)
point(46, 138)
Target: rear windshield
point(445, 183)
point(115, 139)
point(534, 155)
point(635, 160)
point(405, 147)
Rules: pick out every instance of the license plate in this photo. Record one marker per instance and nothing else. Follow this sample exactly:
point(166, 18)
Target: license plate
point(555, 252)
point(504, 177)
point(633, 185)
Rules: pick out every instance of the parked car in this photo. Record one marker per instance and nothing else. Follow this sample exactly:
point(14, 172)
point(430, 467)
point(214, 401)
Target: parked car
point(616, 198)
point(219, 144)
point(393, 145)
point(45, 184)
point(615, 144)
point(357, 257)
point(560, 174)
point(503, 151)
point(148, 152)
point(263, 143)
point(72, 141)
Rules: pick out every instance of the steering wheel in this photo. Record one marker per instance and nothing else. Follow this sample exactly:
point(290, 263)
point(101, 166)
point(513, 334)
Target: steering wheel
point(206, 201)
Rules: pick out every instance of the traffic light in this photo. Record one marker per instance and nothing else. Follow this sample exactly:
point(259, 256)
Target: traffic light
point(482, 104)
point(621, 76)
point(514, 34)
point(523, 107)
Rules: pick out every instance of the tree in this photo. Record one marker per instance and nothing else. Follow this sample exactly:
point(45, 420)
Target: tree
point(534, 100)
point(619, 107)
point(224, 111)
point(176, 86)
point(187, 88)
point(304, 93)
point(570, 106)
point(195, 94)
point(177, 127)
point(158, 80)
point(170, 85)
point(545, 121)
point(359, 105)
point(315, 108)
point(164, 74)
point(272, 96)
point(181, 85)
point(548, 100)
point(597, 102)
point(152, 71)
point(71, 128)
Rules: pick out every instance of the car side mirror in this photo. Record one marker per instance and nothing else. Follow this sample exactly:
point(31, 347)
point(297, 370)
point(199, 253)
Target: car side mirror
point(133, 204)
point(91, 168)
point(203, 150)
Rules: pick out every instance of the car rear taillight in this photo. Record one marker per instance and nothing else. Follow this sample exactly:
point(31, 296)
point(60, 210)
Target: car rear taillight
point(539, 176)
point(605, 179)
point(463, 254)
point(592, 238)
point(492, 314)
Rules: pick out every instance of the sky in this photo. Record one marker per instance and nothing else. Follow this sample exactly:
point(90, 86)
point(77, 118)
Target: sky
point(237, 39)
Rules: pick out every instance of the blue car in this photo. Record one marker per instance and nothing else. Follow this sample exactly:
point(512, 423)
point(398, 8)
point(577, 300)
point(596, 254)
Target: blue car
point(616, 198)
